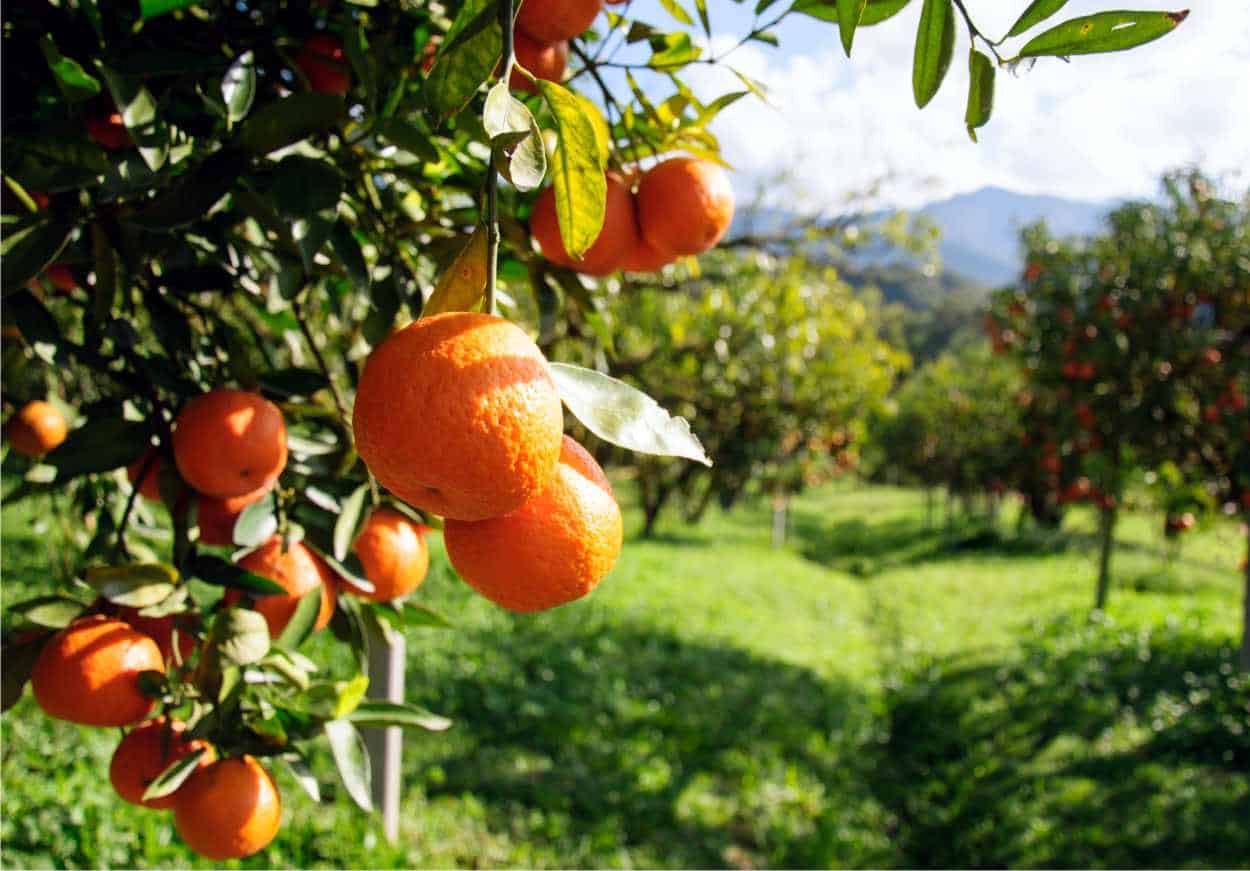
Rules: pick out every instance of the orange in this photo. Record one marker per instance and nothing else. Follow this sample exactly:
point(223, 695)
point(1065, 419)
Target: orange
point(108, 131)
point(685, 205)
point(458, 414)
point(553, 20)
point(553, 549)
point(151, 486)
point(544, 60)
point(644, 258)
point(216, 517)
point(62, 277)
point(146, 751)
point(161, 630)
point(297, 570)
point(230, 442)
point(393, 552)
point(88, 673)
point(37, 428)
point(229, 809)
point(325, 65)
point(616, 240)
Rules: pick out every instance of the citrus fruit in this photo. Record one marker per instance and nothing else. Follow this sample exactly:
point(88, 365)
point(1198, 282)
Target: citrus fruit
point(458, 414)
point(216, 517)
point(61, 277)
point(229, 442)
point(37, 428)
point(324, 63)
point(543, 60)
point(393, 552)
point(550, 21)
point(88, 673)
point(161, 630)
point(151, 487)
point(297, 570)
point(228, 809)
point(146, 751)
point(615, 241)
point(108, 131)
point(553, 549)
point(685, 205)
point(644, 258)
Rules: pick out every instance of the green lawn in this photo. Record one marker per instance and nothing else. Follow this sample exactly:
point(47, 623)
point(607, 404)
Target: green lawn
point(875, 693)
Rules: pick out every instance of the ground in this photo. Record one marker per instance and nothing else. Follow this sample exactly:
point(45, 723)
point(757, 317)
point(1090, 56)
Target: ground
point(876, 692)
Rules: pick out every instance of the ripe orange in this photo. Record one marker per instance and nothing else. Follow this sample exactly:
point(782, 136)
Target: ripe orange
point(553, 549)
point(146, 751)
point(544, 60)
point(230, 442)
point(108, 131)
point(297, 570)
point(161, 630)
point(553, 20)
point(229, 809)
point(644, 258)
point(685, 205)
point(216, 517)
point(393, 552)
point(37, 428)
point(615, 242)
point(62, 277)
point(151, 487)
point(88, 673)
point(325, 65)
point(458, 414)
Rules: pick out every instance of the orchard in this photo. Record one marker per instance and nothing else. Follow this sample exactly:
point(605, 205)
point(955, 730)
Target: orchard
point(307, 302)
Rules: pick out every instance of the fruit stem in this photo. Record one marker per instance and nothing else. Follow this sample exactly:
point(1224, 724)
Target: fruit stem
point(492, 175)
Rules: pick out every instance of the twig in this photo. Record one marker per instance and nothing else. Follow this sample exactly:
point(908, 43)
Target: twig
point(974, 34)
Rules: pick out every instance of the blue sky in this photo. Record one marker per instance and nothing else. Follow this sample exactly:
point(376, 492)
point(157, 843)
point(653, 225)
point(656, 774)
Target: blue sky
point(1095, 128)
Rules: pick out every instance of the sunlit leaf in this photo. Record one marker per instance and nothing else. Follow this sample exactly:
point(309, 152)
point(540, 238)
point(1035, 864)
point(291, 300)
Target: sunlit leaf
point(352, 759)
point(935, 42)
point(980, 92)
point(577, 171)
point(134, 586)
point(1103, 32)
point(461, 286)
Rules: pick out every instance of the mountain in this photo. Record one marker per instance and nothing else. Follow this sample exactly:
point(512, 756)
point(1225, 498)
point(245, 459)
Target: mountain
point(980, 230)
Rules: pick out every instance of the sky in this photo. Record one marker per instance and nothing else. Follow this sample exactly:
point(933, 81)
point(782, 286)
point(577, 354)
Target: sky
point(1100, 127)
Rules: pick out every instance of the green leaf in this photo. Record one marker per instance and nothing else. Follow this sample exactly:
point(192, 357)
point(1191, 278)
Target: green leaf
point(17, 660)
point(303, 619)
point(414, 614)
point(356, 46)
point(295, 381)
point(290, 120)
point(256, 523)
point(347, 249)
point(625, 416)
point(348, 520)
point(352, 759)
point(378, 714)
point(1037, 12)
point(462, 284)
point(76, 83)
point(1103, 32)
point(192, 196)
point(310, 234)
point(138, 110)
point(577, 171)
point(153, 8)
point(54, 612)
point(241, 636)
point(875, 11)
point(350, 694)
point(516, 140)
point(28, 251)
point(466, 59)
point(674, 9)
point(215, 570)
point(670, 51)
point(849, 14)
point(302, 774)
point(410, 138)
point(169, 780)
point(238, 87)
point(980, 91)
point(348, 571)
point(935, 43)
point(133, 586)
point(99, 445)
point(302, 185)
point(33, 319)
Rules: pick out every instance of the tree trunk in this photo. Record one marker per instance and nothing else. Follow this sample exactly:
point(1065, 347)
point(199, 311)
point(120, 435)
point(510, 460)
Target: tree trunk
point(386, 683)
point(928, 507)
point(780, 502)
point(1245, 611)
point(1107, 533)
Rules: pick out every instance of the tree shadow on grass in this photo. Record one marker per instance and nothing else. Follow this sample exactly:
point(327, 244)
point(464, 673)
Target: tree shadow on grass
point(603, 741)
point(1088, 748)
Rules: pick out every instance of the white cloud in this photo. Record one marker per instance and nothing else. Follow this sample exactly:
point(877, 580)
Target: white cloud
point(1099, 127)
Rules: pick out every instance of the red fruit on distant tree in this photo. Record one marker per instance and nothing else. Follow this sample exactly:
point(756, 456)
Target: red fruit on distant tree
point(550, 21)
point(324, 64)
point(108, 131)
point(543, 60)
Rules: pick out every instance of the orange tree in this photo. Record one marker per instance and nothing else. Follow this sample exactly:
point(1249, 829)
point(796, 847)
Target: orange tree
point(1135, 346)
point(216, 217)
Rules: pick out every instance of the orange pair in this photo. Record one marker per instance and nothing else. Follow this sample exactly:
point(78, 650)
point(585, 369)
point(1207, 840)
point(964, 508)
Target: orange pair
point(458, 415)
point(683, 206)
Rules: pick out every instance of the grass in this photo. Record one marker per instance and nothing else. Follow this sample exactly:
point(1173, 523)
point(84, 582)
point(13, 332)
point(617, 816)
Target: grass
point(876, 693)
